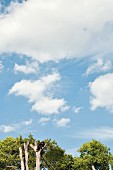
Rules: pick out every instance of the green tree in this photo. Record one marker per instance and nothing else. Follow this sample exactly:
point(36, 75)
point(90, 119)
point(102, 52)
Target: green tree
point(9, 155)
point(52, 155)
point(55, 157)
point(67, 163)
point(9, 152)
point(93, 153)
point(111, 161)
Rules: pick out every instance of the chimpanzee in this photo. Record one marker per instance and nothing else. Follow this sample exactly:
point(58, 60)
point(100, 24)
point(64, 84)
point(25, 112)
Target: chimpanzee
point(40, 146)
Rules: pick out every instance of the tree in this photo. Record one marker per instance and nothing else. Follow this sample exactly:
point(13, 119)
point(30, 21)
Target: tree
point(67, 163)
point(55, 157)
point(52, 156)
point(111, 161)
point(9, 154)
point(93, 154)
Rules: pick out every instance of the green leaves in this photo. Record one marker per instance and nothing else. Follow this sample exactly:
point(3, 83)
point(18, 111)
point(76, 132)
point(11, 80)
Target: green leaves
point(94, 153)
point(9, 155)
point(91, 153)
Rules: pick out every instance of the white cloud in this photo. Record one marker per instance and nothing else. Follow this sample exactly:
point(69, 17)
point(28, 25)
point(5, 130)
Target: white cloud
point(6, 128)
point(76, 109)
point(14, 127)
point(30, 67)
point(27, 122)
point(102, 133)
point(102, 92)
point(44, 120)
point(63, 122)
point(99, 66)
point(1, 66)
point(46, 31)
point(49, 106)
point(39, 93)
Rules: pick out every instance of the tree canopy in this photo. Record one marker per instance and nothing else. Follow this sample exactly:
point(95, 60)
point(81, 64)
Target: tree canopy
point(92, 153)
point(95, 154)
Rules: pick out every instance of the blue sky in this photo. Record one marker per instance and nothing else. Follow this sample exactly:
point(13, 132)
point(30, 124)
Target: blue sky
point(56, 71)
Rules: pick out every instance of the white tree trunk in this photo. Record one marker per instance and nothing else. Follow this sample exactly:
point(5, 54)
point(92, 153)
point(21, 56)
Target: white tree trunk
point(38, 160)
point(34, 147)
point(26, 155)
point(38, 154)
point(21, 158)
point(93, 168)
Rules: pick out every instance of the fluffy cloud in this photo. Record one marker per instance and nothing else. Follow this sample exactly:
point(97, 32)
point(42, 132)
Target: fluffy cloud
point(63, 122)
point(99, 66)
point(44, 120)
point(27, 122)
point(103, 133)
point(14, 127)
point(102, 92)
point(49, 105)
point(40, 94)
point(45, 30)
point(6, 128)
point(76, 109)
point(1, 66)
point(30, 67)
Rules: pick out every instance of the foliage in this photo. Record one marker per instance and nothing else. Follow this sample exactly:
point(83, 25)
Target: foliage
point(52, 154)
point(111, 161)
point(93, 153)
point(56, 157)
point(67, 163)
point(9, 154)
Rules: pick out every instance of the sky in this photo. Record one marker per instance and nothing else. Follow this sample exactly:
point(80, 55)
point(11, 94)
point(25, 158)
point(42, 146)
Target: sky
point(56, 71)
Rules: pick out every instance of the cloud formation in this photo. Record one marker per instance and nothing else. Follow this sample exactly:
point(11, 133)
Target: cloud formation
point(45, 30)
point(63, 122)
point(44, 120)
point(102, 92)
point(6, 128)
point(99, 66)
point(27, 122)
point(39, 93)
point(76, 109)
point(102, 133)
point(1, 66)
point(14, 127)
point(30, 67)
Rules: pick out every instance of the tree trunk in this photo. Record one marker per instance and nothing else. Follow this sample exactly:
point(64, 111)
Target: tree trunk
point(38, 160)
point(34, 147)
point(26, 155)
point(93, 168)
point(21, 158)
